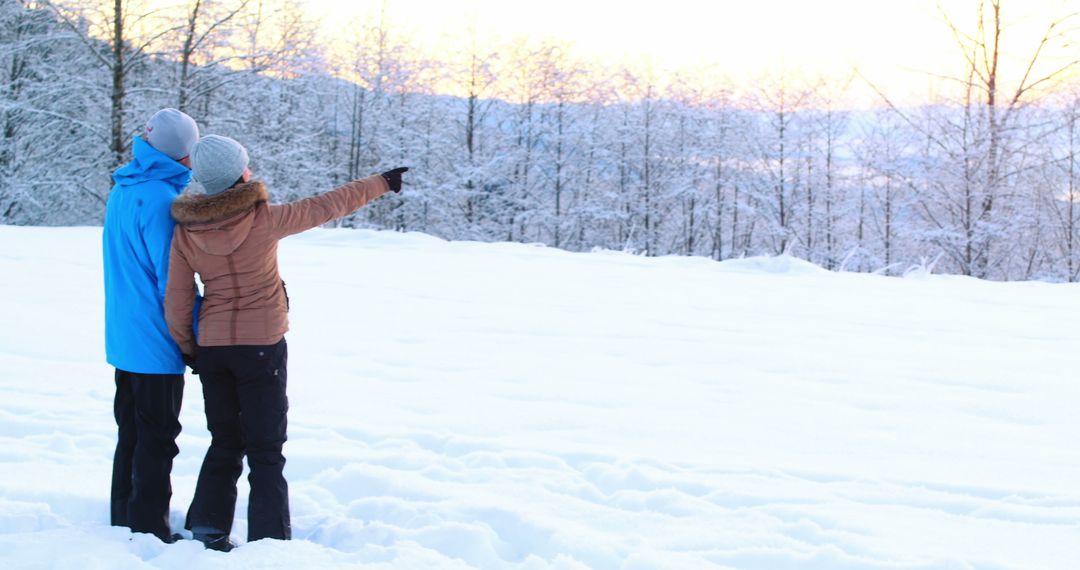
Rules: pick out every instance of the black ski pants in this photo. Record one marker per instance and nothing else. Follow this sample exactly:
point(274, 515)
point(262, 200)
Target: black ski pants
point(246, 413)
point(147, 411)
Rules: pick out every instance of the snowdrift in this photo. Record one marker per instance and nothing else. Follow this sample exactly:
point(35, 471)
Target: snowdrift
point(491, 406)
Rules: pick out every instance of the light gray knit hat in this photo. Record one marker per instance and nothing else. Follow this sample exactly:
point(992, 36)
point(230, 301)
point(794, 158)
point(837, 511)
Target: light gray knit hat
point(172, 132)
point(217, 163)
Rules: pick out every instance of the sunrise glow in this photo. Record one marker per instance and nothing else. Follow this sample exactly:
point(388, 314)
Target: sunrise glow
point(904, 48)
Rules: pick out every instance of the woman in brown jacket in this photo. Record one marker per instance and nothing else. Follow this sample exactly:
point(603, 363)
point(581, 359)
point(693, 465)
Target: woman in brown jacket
point(229, 237)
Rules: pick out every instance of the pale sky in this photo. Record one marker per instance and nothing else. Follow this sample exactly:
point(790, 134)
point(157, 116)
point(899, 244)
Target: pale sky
point(895, 43)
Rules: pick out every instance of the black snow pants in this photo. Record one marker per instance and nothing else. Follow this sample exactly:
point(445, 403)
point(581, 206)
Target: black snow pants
point(246, 413)
point(147, 410)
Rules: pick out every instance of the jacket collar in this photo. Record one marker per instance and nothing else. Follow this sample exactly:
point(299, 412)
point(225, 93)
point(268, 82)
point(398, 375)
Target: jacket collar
point(148, 163)
point(202, 208)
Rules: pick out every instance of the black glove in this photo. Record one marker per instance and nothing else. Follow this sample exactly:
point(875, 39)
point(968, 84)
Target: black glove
point(190, 362)
point(393, 177)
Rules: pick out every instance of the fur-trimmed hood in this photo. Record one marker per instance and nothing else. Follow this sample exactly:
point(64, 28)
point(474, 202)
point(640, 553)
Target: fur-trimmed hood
point(201, 208)
point(218, 224)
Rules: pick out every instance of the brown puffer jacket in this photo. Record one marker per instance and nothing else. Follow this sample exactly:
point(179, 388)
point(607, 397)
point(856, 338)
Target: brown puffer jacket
point(230, 239)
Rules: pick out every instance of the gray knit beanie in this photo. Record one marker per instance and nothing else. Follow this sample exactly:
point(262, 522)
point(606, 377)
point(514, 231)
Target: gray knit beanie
point(217, 163)
point(172, 132)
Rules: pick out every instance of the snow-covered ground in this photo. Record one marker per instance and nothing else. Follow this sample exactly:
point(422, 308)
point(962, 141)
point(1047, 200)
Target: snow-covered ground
point(466, 405)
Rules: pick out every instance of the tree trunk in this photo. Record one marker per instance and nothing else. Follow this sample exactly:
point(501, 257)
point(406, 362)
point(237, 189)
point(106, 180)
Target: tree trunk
point(558, 173)
point(185, 57)
point(117, 145)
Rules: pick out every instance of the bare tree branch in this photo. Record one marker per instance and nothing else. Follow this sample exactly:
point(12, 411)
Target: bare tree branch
point(82, 37)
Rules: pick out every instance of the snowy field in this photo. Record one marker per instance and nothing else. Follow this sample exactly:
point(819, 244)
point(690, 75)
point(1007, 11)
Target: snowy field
point(490, 406)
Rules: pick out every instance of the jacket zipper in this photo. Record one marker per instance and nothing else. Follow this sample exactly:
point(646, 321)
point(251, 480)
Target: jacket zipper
point(236, 298)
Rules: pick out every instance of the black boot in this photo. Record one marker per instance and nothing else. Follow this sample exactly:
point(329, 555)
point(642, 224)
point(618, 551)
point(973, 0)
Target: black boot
point(214, 539)
point(174, 538)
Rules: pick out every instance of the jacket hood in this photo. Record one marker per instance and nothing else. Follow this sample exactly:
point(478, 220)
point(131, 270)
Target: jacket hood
point(218, 224)
point(148, 163)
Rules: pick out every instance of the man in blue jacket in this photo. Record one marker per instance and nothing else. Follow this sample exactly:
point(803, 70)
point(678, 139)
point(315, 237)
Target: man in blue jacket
point(149, 368)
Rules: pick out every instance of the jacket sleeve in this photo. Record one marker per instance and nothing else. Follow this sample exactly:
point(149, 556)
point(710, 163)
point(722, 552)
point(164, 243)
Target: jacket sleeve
point(295, 217)
point(180, 299)
point(157, 234)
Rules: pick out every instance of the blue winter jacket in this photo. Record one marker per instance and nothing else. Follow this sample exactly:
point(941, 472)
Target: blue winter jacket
point(135, 245)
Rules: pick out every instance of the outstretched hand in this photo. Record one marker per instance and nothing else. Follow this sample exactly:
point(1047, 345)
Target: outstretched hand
point(393, 177)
